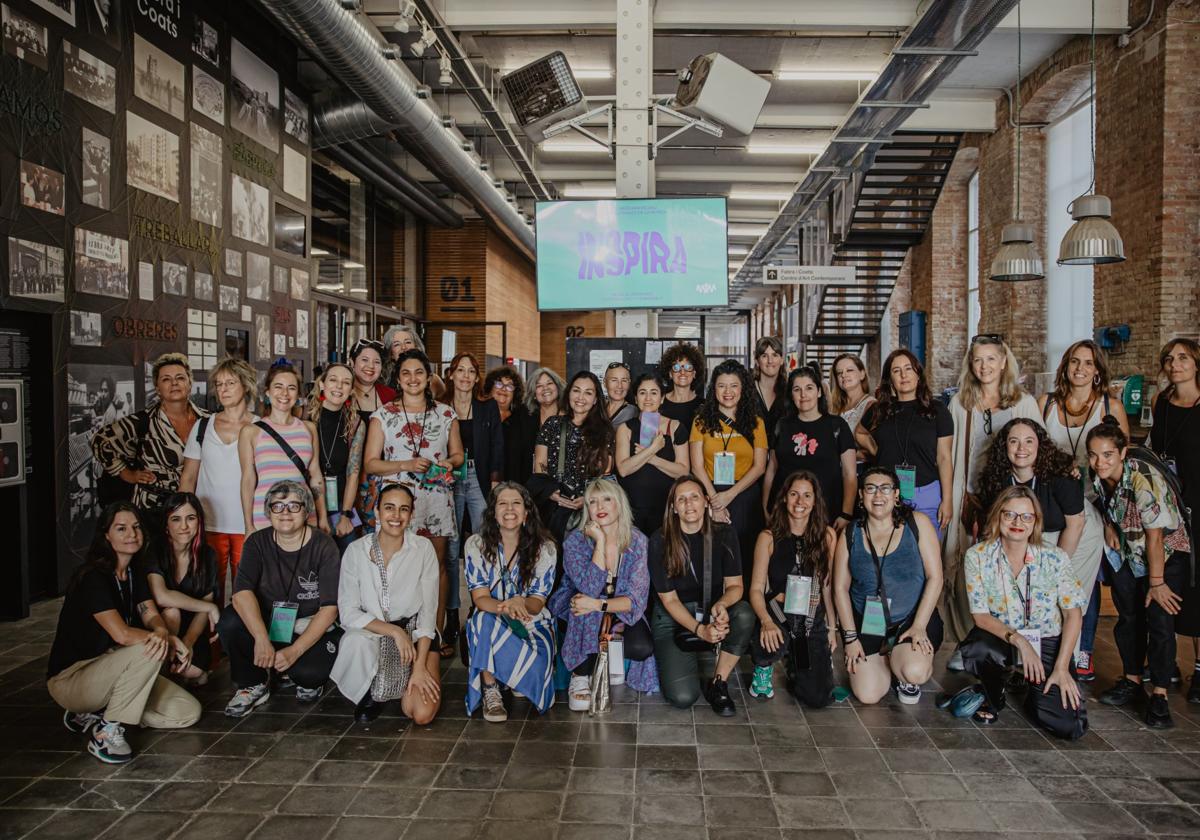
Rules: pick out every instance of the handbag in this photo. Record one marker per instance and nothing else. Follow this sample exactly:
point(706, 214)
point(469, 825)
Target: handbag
point(601, 697)
point(392, 676)
point(687, 640)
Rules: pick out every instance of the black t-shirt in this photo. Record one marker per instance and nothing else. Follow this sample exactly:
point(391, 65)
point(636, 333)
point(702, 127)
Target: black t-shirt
point(817, 446)
point(466, 431)
point(684, 412)
point(1059, 497)
point(771, 416)
point(79, 635)
point(784, 562)
point(726, 558)
point(334, 449)
point(199, 585)
point(267, 571)
point(908, 437)
point(1174, 434)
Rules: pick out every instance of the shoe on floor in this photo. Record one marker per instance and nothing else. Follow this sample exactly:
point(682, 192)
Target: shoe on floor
point(246, 700)
point(1085, 670)
point(493, 704)
point(955, 662)
point(579, 694)
point(908, 693)
point(80, 723)
point(309, 695)
point(761, 685)
point(367, 710)
point(717, 695)
point(1193, 695)
point(1121, 693)
point(107, 743)
point(1158, 713)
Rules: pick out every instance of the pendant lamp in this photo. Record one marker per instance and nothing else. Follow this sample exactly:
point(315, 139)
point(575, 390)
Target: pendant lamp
point(1093, 239)
point(1018, 258)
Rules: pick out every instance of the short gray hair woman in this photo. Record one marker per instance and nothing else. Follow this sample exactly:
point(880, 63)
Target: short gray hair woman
point(282, 489)
point(531, 403)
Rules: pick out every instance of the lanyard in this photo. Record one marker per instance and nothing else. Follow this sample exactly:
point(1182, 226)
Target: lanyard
point(875, 556)
point(299, 557)
point(413, 443)
point(1032, 485)
point(903, 447)
point(1025, 599)
point(1083, 428)
point(725, 441)
point(327, 457)
point(127, 602)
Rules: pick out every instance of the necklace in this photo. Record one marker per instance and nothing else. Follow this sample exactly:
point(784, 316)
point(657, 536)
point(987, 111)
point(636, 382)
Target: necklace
point(1085, 410)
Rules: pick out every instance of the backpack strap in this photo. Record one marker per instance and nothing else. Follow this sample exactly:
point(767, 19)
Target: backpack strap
point(301, 467)
point(203, 428)
point(1049, 406)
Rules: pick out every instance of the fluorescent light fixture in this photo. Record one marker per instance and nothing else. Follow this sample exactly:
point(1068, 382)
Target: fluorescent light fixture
point(785, 148)
point(738, 194)
point(352, 264)
point(574, 145)
point(319, 252)
point(592, 190)
point(593, 73)
point(738, 250)
point(747, 230)
point(816, 75)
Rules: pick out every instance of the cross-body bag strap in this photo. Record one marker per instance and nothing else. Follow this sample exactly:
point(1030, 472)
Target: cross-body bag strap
point(203, 428)
point(706, 593)
point(563, 431)
point(301, 467)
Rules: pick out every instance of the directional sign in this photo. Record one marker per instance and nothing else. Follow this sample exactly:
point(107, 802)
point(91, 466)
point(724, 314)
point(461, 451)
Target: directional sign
point(810, 275)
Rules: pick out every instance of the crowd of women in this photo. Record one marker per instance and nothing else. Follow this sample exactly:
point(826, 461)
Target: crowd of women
point(642, 524)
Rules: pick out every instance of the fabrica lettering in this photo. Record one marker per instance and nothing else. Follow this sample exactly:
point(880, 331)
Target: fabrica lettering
point(623, 252)
point(165, 14)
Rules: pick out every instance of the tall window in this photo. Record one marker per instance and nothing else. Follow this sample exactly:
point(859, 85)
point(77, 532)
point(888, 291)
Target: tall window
point(973, 255)
point(1068, 287)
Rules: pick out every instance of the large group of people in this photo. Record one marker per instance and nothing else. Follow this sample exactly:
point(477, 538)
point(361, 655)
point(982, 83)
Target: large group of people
point(636, 523)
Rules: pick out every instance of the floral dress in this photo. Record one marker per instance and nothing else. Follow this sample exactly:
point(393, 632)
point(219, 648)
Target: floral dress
point(424, 434)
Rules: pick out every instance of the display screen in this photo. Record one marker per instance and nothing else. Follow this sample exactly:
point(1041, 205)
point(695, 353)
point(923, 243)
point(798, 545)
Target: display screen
point(632, 253)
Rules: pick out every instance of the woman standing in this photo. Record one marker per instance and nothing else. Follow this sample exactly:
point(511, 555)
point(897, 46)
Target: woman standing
point(387, 604)
point(909, 431)
point(572, 449)
point(792, 597)
point(530, 412)
point(1174, 437)
point(887, 579)
point(340, 438)
point(398, 340)
point(822, 444)
point(690, 549)
point(617, 407)
point(604, 572)
point(652, 453)
point(728, 451)
point(212, 468)
point(415, 441)
point(370, 394)
point(679, 369)
point(483, 447)
point(183, 582)
point(1026, 600)
point(510, 635)
point(849, 389)
point(277, 448)
point(770, 388)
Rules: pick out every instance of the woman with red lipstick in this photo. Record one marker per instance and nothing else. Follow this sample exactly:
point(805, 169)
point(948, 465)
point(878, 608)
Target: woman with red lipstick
point(1027, 604)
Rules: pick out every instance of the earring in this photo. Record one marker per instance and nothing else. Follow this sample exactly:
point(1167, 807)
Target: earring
point(1096, 379)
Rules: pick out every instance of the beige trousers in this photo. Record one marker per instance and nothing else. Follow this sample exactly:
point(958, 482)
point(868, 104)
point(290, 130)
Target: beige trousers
point(126, 684)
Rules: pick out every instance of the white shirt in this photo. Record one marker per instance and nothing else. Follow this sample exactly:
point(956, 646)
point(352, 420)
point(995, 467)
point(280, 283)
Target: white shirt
point(219, 484)
point(412, 575)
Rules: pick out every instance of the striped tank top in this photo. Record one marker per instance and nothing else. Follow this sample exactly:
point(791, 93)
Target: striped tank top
point(272, 465)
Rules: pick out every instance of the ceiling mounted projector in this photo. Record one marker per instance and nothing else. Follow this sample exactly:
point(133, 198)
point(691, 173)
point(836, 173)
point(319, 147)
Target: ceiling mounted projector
point(542, 93)
point(716, 88)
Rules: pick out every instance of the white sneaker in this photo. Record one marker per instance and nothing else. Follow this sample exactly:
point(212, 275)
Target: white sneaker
point(908, 693)
point(246, 700)
point(107, 743)
point(579, 694)
point(955, 663)
point(493, 704)
point(80, 723)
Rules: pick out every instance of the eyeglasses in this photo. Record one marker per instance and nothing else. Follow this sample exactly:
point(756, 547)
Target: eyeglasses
point(872, 489)
point(500, 386)
point(1013, 516)
point(683, 367)
point(987, 421)
point(612, 365)
point(987, 338)
point(290, 507)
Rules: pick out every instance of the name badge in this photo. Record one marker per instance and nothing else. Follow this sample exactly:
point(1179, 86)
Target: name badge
point(332, 502)
point(799, 592)
point(700, 616)
point(873, 622)
point(283, 621)
point(908, 481)
point(723, 469)
point(1034, 638)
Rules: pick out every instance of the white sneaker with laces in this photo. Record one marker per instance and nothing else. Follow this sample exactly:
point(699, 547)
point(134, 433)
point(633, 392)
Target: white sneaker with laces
point(246, 700)
point(80, 723)
point(493, 704)
point(908, 693)
point(579, 694)
point(308, 695)
point(107, 743)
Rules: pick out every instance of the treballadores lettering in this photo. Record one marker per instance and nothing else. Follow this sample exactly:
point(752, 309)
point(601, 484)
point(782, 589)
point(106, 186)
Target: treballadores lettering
point(193, 238)
point(165, 14)
point(622, 252)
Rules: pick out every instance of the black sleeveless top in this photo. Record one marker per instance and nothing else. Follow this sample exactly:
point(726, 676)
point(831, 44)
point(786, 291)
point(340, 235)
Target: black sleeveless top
point(648, 487)
point(782, 564)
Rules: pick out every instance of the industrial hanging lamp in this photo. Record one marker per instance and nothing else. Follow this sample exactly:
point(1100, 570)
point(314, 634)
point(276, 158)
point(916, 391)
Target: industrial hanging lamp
point(1093, 239)
point(1018, 258)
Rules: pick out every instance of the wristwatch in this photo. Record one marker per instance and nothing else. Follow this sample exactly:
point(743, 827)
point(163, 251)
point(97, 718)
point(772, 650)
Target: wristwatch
point(347, 513)
point(604, 606)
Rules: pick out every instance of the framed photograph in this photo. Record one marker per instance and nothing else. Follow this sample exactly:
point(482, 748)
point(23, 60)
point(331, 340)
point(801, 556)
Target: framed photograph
point(299, 284)
point(91, 79)
point(295, 116)
point(151, 157)
point(302, 329)
point(258, 276)
point(25, 38)
point(295, 173)
point(42, 188)
point(36, 270)
point(279, 280)
point(291, 231)
point(202, 284)
point(62, 9)
point(251, 204)
point(174, 279)
point(207, 206)
point(97, 170)
point(98, 395)
point(262, 337)
point(85, 329)
point(208, 96)
point(145, 281)
point(254, 109)
point(228, 299)
point(233, 262)
point(101, 264)
point(237, 343)
point(157, 78)
point(206, 43)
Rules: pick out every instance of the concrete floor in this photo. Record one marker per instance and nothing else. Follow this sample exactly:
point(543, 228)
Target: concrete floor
point(644, 771)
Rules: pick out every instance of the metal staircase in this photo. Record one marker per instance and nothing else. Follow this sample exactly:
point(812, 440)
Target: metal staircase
point(893, 203)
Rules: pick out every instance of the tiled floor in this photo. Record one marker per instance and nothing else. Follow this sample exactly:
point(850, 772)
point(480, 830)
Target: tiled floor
point(644, 771)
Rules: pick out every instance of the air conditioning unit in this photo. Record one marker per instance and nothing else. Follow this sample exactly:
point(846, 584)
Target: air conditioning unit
point(543, 93)
point(718, 89)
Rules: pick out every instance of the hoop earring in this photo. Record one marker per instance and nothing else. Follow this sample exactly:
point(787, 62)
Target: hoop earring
point(1096, 380)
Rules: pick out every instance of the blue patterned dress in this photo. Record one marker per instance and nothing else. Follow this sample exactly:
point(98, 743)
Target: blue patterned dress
point(524, 665)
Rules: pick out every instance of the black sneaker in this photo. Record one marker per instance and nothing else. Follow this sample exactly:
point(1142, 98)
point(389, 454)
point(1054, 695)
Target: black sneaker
point(717, 695)
point(367, 709)
point(1121, 693)
point(1193, 695)
point(1158, 713)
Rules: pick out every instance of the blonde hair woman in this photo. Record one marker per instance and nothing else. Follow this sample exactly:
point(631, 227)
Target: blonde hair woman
point(341, 435)
point(849, 389)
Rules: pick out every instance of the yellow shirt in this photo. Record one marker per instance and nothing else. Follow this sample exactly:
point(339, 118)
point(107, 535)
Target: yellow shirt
point(730, 440)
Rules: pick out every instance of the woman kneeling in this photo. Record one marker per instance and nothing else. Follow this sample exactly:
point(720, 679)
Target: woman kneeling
point(886, 580)
point(510, 634)
point(387, 602)
point(1026, 601)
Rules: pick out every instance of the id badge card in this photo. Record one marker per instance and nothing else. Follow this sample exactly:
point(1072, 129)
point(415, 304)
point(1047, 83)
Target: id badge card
point(1170, 462)
point(332, 502)
point(1034, 638)
point(908, 481)
point(283, 621)
point(799, 592)
point(873, 623)
point(723, 469)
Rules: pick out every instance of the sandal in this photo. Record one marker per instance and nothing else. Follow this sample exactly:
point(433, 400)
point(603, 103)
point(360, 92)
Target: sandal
point(579, 694)
point(984, 715)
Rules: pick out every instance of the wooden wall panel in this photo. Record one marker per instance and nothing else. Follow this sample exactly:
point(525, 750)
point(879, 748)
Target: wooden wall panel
point(511, 293)
point(558, 326)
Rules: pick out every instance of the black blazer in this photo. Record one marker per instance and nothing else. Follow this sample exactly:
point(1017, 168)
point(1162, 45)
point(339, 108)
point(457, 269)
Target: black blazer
point(487, 443)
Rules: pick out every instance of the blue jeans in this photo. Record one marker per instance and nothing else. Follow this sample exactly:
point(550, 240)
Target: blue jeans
point(468, 497)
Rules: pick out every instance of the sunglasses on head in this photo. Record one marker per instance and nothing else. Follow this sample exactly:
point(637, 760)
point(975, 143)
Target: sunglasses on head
point(987, 338)
point(363, 343)
point(613, 365)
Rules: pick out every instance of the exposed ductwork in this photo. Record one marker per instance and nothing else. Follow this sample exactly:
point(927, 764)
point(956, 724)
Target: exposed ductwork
point(354, 53)
point(371, 167)
point(345, 122)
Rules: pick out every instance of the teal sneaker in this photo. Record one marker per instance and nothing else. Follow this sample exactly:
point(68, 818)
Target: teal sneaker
point(761, 686)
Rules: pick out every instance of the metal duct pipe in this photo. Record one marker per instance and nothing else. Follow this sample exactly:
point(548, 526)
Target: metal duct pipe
point(352, 52)
point(343, 122)
point(388, 172)
point(356, 166)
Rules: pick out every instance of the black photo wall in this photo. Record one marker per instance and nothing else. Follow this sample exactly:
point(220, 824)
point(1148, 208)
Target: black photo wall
point(154, 196)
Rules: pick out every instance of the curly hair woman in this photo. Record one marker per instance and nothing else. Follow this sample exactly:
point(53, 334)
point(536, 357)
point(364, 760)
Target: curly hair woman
point(679, 369)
